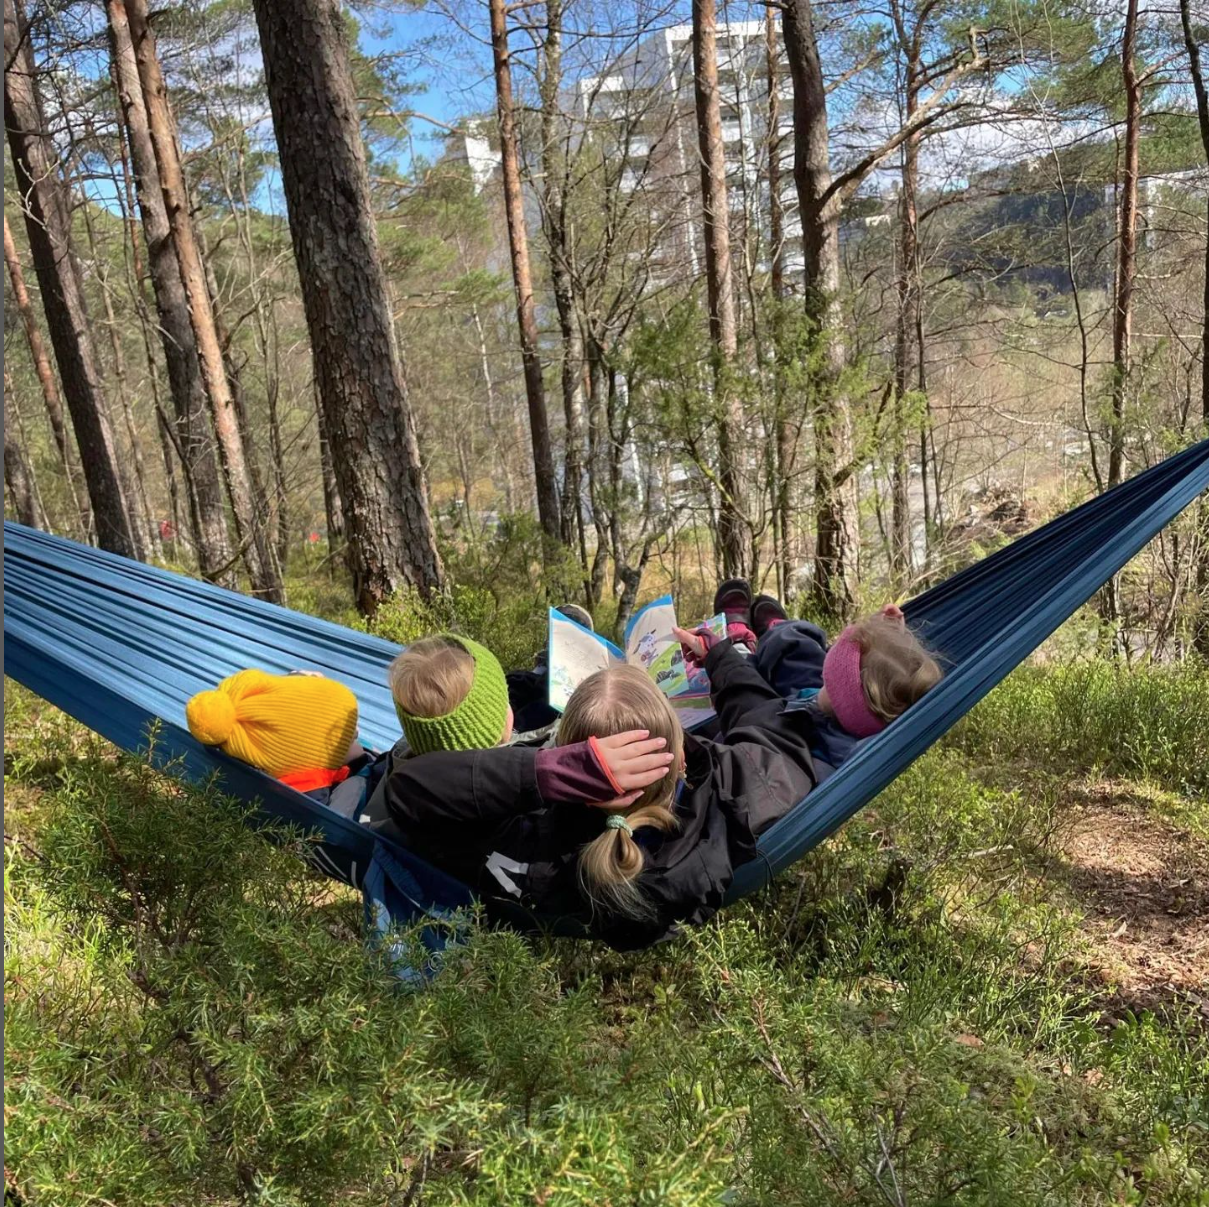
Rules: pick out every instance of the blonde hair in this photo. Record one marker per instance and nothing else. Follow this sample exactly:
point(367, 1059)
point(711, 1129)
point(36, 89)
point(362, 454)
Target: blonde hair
point(432, 677)
point(896, 667)
point(606, 703)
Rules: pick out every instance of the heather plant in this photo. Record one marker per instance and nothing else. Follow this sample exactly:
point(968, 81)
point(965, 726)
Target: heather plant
point(903, 1018)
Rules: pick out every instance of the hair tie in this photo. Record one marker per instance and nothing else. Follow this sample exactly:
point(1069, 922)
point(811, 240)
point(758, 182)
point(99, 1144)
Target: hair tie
point(615, 821)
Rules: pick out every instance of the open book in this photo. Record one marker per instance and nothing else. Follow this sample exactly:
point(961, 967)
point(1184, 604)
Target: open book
point(576, 652)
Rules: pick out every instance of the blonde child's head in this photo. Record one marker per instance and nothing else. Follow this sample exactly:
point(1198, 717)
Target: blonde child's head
point(450, 694)
point(609, 702)
point(875, 671)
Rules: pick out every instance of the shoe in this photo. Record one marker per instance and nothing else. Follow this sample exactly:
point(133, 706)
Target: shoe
point(733, 597)
point(580, 615)
point(765, 612)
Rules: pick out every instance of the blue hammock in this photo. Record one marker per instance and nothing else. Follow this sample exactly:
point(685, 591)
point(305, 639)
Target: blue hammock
point(119, 645)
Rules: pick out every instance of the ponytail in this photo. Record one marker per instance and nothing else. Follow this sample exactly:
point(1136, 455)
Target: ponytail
point(608, 702)
point(609, 866)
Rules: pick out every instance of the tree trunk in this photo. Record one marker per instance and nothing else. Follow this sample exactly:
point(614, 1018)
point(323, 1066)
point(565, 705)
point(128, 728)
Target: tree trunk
point(1127, 248)
point(163, 428)
point(931, 513)
point(360, 378)
point(1122, 318)
point(1201, 631)
point(134, 476)
point(277, 452)
point(526, 311)
point(785, 454)
point(264, 506)
point(250, 529)
point(18, 475)
point(835, 496)
point(776, 210)
point(333, 513)
point(906, 322)
point(136, 274)
point(555, 225)
point(243, 419)
point(494, 409)
point(720, 290)
point(191, 431)
point(598, 435)
point(46, 378)
point(48, 226)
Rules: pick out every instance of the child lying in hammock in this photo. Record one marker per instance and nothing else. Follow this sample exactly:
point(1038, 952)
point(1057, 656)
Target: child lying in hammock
point(299, 728)
point(662, 845)
point(677, 814)
point(875, 670)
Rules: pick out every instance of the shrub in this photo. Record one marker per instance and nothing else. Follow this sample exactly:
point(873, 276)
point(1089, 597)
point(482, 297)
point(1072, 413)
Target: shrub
point(191, 1016)
point(1151, 722)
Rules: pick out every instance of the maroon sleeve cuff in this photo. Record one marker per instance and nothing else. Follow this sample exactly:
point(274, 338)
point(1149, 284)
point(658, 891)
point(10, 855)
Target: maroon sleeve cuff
point(574, 773)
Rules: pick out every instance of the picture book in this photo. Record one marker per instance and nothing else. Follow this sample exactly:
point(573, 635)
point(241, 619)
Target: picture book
point(576, 652)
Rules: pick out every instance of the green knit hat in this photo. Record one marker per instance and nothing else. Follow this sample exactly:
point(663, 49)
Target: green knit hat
point(478, 722)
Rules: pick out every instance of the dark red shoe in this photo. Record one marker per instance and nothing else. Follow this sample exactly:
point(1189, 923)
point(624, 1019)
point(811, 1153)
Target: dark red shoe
point(734, 598)
point(766, 612)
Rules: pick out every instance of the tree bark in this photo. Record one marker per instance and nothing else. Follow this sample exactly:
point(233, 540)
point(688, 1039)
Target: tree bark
point(719, 280)
point(598, 436)
point(277, 452)
point(18, 475)
point(1201, 630)
point(332, 510)
point(906, 322)
point(48, 226)
point(360, 378)
point(263, 504)
point(1127, 248)
point(250, 529)
point(134, 475)
point(136, 274)
point(1202, 114)
point(526, 311)
point(167, 452)
point(835, 496)
point(785, 453)
point(191, 430)
point(776, 210)
point(1126, 271)
point(46, 378)
point(494, 409)
point(554, 215)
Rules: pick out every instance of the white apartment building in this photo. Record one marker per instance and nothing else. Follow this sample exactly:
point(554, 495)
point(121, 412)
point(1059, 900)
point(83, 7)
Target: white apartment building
point(647, 100)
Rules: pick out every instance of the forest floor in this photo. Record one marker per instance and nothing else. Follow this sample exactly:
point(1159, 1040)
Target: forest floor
point(986, 988)
point(1141, 885)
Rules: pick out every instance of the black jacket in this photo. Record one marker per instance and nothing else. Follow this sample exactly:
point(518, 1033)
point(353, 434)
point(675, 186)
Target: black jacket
point(479, 815)
point(790, 656)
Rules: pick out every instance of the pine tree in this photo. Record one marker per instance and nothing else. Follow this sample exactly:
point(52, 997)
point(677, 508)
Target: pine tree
point(362, 387)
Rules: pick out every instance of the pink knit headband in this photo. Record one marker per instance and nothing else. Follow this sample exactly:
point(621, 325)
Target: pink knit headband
point(842, 681)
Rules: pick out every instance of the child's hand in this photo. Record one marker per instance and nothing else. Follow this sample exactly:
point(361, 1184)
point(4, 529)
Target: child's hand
point(633, 760)
point(894, 612)
point(693, 643)
point(602, 771)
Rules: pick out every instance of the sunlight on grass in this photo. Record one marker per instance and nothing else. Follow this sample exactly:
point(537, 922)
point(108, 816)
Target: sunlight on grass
point(189, 1007)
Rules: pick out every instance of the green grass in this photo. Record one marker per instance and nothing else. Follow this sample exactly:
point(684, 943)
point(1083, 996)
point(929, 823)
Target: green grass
point(906, 1018)
point(1150, 723)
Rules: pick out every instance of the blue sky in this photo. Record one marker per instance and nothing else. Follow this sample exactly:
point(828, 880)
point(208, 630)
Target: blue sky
point(451, 70)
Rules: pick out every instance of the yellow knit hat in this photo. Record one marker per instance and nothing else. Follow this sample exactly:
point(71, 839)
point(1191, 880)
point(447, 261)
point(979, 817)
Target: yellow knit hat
point(279, 723)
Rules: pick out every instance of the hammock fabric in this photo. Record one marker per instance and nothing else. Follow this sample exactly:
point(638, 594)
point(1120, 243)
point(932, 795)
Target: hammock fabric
point(119, 645)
